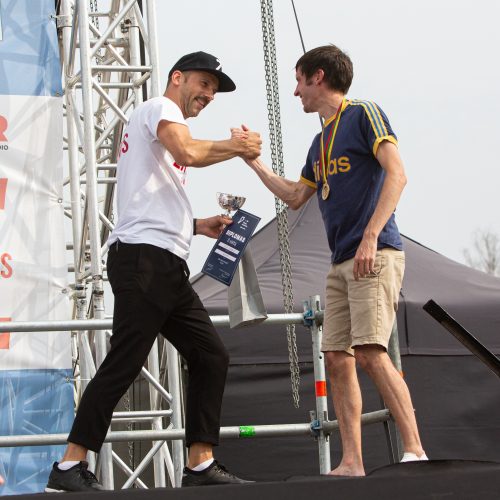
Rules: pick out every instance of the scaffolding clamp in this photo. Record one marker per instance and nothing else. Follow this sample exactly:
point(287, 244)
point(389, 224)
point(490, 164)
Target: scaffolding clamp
point(316, 424)
point(316, 428)
point(308, 314)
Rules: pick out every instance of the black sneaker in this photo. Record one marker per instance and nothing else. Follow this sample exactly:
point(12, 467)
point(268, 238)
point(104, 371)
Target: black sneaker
point(215, 473)
point(78, 478)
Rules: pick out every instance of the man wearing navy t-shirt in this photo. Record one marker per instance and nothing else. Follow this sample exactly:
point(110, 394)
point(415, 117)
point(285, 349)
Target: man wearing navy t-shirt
point(355, 169)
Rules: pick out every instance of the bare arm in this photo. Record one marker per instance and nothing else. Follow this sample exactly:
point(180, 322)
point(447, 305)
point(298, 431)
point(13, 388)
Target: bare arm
point(394, 183)
point(200, 153)
point(294, 194)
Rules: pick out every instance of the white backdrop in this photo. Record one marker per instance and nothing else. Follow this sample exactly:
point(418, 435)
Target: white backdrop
point(32, 245)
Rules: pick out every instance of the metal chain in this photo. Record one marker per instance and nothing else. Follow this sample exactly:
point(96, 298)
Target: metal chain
point(275, 138)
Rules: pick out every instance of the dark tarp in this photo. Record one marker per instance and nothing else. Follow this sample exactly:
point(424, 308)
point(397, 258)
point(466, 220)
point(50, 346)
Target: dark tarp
point(470, 296)
point(457, 399)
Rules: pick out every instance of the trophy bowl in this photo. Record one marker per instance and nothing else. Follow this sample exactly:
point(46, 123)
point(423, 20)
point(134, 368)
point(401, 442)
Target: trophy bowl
point(230, 202)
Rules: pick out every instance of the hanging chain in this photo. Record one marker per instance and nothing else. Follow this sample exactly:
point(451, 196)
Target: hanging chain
point(273, 109)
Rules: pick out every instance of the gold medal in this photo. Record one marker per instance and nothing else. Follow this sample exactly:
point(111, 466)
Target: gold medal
point(324, 160)
point(325, 192)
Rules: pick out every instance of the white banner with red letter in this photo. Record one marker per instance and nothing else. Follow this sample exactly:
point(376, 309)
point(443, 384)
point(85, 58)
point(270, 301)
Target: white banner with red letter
point(36, 392)
point(33, 266)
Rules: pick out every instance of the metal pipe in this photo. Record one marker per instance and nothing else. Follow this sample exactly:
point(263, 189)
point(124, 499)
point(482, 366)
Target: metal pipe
point(320, 388)
point(106, 324)
point(112, 85)
point(100, 90)
point(125, 468)
point(134, 419)
point(174, 384)
point(234, 432)
point(117, 20)
point(116, 42)
point(110, 67)
point(92, 207)
point(145, 461)
point(103, 180)
point(142, 27)
point(144, 413)
point(154, 382)
point(156, 424)
point(153, 49)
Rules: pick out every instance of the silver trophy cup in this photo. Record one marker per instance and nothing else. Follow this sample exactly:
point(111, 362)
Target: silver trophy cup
point(230, 202)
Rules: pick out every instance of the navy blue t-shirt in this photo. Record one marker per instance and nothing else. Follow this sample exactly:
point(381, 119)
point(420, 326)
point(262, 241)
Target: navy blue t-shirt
point(355, 178)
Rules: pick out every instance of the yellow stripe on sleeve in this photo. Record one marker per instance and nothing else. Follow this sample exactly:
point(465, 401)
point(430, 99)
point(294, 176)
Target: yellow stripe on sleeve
point(371, 118)
point(377, 143)
point(379, 117)
point(307, 182)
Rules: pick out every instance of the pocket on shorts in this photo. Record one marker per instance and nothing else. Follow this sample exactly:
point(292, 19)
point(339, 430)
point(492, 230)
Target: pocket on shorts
point(378, 264)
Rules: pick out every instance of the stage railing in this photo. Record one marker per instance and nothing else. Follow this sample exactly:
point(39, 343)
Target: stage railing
point(319, 428)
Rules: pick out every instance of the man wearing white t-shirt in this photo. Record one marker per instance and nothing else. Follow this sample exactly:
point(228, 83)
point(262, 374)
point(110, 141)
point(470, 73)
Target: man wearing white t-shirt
point(147, 270)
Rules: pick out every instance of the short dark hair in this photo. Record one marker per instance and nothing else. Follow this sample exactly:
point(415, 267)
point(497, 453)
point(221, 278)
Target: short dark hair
point(336, 65)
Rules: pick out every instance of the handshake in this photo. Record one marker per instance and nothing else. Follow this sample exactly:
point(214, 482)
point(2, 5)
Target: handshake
point(248, 143)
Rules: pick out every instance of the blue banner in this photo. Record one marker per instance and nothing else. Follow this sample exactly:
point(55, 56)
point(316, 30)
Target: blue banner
point(225, 256)
point(29, 52)
point(32, 402)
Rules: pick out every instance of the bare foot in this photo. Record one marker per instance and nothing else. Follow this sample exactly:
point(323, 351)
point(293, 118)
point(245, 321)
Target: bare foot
point(348, 470)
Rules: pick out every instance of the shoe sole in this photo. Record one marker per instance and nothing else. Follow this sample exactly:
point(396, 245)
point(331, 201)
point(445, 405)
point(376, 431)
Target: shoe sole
point(52, 490)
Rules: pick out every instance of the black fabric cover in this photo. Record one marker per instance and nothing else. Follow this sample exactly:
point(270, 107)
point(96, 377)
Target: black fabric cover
point(456, 399)
point(470, 296)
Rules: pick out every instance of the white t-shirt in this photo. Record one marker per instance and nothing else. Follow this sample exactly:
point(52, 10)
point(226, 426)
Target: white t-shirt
point(152, 204)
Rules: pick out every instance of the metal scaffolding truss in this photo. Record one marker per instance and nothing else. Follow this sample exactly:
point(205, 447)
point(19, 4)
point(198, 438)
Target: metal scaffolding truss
point(110, 65)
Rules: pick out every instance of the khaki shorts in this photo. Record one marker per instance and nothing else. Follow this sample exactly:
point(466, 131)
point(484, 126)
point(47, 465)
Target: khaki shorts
point(362, 312)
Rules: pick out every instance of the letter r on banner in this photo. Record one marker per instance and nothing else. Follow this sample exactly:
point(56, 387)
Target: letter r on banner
point(3, 127)
point(3, 191)
point(4, 336)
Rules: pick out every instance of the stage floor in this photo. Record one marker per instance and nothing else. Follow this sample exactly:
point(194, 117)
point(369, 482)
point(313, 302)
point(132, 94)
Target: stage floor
point(436, 479)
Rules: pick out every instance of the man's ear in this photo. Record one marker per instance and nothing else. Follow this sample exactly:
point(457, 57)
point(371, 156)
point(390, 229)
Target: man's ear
point(176, 77)
point(319, 76)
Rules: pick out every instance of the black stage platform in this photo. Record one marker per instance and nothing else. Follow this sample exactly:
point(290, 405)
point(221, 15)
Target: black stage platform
point(437, 479)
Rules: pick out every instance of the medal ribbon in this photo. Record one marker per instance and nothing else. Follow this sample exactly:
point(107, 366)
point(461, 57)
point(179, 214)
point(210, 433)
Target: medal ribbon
point(325, 160)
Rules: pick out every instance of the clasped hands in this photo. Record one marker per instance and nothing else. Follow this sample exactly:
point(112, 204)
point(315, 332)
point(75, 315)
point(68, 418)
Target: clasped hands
point(250, 140)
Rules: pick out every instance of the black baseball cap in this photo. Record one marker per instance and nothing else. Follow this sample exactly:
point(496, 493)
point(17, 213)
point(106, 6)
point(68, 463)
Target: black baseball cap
point(201, 61)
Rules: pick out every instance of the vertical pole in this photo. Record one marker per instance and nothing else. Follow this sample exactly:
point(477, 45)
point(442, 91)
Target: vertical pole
point(76, 207)
point(154, 92)
point(69, 30)
point(135, 53)
point(320, 387)
point(174, 387)
point(154, 60)
point(156, 423)
point(93, 212)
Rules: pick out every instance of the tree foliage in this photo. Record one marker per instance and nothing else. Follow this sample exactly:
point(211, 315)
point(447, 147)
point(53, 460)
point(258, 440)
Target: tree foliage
point(485, 253)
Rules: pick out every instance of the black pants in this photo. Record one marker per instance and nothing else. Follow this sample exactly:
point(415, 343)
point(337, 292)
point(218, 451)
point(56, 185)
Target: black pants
point(153, 294)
